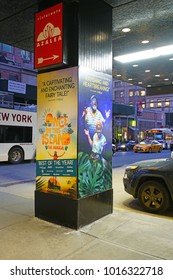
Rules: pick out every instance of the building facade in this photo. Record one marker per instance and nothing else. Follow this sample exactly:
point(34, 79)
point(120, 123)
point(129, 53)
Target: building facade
point(18, 79)
point(145, 116)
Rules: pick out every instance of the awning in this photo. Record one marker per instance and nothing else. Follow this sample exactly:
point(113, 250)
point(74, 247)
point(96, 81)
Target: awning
point(121, 109)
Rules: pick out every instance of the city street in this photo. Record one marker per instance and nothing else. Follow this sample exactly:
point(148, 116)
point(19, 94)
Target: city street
point(123, 158)
point(26, 172)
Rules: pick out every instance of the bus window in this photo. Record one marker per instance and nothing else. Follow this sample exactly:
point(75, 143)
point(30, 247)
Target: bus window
point(16, 134)
point(1, 134)
point(159, 136)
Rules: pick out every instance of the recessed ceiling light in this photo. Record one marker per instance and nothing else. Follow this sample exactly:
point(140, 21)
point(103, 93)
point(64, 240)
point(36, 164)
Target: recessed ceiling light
point(145, 42)
point(130, 79)
point(148, 85)
point(135, 65)
point(171, 58)
point(140, 83)
point(126, 29)
point(157, 75)
point(147, 70)
point(118, 75)
point(166, 79)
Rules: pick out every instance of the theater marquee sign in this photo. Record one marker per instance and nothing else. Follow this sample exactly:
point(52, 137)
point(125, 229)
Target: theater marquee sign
point(48, 36)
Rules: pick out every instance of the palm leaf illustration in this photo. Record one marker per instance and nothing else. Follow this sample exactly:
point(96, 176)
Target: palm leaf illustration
point(40, 182)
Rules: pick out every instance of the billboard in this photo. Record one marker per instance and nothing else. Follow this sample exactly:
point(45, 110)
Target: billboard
point(56, 158)
point(95, 132)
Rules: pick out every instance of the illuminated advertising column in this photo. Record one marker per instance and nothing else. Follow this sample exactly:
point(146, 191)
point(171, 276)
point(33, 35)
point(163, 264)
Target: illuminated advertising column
point(74, 126)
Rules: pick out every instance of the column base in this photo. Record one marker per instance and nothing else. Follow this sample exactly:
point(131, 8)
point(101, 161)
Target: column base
point(70, 212)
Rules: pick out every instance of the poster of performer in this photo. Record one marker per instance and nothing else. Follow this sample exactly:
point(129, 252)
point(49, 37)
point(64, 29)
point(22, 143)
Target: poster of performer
point(95, 132)
point(56, 157)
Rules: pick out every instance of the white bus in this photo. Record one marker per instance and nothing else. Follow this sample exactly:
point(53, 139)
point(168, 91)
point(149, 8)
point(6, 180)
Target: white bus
point(162, 135)
point(17, 135)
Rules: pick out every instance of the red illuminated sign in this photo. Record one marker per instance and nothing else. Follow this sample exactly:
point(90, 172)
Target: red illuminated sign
point(48, 36)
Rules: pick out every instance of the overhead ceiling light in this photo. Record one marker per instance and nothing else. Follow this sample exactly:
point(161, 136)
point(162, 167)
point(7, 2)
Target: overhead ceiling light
point(135, 65)
point(145, 42)
point(147, 70)
point(126, 29)
point(166, 79)
point(148, 85)
point(118, 75)
point(130, 79)
point(171, 58)
point(145, 54)
point(157, 75)
point(140, 83)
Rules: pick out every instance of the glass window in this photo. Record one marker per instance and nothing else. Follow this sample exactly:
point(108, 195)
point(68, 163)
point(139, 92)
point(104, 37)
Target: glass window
point(6, 48)
point(143, 104)
point(167, 102)
point(15, 134)
point(159, 103)
point(151, 103)
point(26, 55)
point(130, 92)
point(142, 92)
point(13, 78)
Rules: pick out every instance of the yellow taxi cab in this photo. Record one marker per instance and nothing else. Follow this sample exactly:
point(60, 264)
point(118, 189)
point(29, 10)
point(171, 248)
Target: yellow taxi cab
point(148, 146)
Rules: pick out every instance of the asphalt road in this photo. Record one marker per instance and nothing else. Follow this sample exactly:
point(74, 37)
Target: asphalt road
point(124, 158)
point(11, 174)
point(26, 172)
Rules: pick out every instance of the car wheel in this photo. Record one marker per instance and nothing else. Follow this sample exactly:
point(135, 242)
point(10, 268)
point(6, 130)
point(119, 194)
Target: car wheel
point(153, 197)
point(15, 155)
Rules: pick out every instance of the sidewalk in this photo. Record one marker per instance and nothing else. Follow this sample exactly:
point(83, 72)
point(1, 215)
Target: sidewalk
point(123, 235)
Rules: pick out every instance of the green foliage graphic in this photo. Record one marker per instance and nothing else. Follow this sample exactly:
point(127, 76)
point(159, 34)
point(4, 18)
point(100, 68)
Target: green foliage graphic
point(94, 176)
point(40, 182)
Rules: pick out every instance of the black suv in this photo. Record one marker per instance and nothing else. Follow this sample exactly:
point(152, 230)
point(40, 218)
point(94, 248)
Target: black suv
point(151, 181)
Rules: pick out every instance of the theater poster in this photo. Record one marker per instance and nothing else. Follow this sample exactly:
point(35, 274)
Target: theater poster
point(95, 132)
point(56, 157)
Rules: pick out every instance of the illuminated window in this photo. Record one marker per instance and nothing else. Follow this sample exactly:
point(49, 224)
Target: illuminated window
point(167, 102)
point(142, 92)
point(151, 103)
point(159, 103)
point(143, 104)
point(130, 92)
